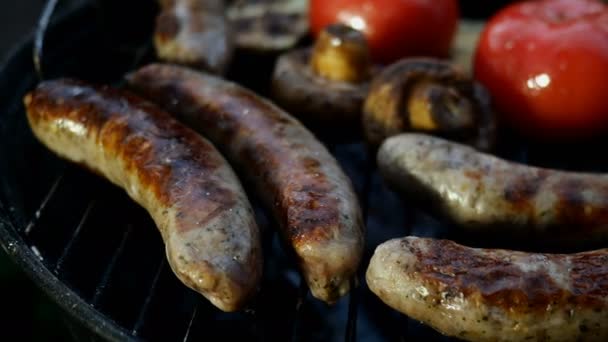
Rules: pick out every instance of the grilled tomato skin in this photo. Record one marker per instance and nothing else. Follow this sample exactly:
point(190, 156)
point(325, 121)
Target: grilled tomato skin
point(546, 65)
point(393, 28)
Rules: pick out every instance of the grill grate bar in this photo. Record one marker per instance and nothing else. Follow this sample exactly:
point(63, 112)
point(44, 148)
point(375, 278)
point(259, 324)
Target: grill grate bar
point(105, 278)
point(144, 308)
point(190, 324)
point(73, 238)
point(45, 201)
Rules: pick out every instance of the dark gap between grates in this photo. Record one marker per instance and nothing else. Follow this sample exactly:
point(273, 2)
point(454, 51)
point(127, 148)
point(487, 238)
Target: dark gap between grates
point(73, 239)
point(135, 269)
point(149, 297)
point(30, 226)
point(107, 273)
point(190, 322)
point(61, 215)
point(170, 297)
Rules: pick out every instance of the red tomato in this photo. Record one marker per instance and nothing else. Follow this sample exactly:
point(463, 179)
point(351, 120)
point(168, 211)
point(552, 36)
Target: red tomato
point(546, 65)
point(394, 28)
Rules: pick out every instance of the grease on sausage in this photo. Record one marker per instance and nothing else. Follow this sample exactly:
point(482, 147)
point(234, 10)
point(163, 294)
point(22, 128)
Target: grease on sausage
point(206, 222)
point(484, 193)
point(310, 196)
point(494, 295)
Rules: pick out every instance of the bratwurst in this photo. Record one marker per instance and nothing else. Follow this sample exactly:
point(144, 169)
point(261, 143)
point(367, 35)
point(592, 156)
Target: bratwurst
point(205, 219)
point(494, 295)
point(195, 33)
point(310, 196)
point(481, 192)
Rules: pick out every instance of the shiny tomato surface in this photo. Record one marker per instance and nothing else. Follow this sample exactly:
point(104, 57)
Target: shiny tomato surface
point(394, 28)
point(546, 65)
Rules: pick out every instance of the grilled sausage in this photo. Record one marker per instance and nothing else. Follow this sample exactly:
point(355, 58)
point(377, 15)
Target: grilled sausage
point(194, 33)
point(481, 192)
point(310, 197)
point(494, 295)
point(211, 238)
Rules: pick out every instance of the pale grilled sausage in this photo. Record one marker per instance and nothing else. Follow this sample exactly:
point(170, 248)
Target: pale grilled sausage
point(310, 196)
point(481, 192)
point(195, 33)
point(205, 219)
point(494, 295)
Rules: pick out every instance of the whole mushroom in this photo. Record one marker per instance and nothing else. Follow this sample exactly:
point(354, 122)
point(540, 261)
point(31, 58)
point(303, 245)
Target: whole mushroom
point(432, 96)
point(327, 84)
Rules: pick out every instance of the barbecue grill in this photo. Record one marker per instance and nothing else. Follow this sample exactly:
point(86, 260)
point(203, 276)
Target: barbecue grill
point(100, 256)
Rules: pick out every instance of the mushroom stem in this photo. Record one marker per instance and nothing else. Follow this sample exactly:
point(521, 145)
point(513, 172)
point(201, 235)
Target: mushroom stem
point(341, 54)
point(434, 106)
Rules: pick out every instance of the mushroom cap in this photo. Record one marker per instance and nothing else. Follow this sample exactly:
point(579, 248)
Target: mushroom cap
point(385, 110)
point(312, 98)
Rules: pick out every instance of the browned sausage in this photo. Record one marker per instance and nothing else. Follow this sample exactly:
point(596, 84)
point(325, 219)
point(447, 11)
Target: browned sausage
point(207, 224)
point(483, 193)
point(308, 193)
point(494, 295)
point(194, 33)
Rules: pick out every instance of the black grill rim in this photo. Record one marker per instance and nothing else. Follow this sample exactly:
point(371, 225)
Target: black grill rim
point(16, 248)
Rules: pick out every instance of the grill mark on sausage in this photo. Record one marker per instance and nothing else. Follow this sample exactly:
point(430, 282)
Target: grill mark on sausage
point(514, 302)
point(147, 143)
point(501, 283)
point(574, 208)
point(520, 192)
point(568, 208)
point(295, 177)
point(308, 209)
point(589, 277)
point(312, 211)
point(498, 282)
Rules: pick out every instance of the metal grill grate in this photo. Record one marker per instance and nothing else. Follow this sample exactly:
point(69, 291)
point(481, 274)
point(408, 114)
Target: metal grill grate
point(100, 257)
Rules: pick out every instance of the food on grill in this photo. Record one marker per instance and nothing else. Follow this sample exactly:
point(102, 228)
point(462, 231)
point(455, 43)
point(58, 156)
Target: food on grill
point(546, 65)
point(394, 29)
point(432, 96)
point(328, 84)
point(267, 26)
point(484, 193)
point(310, 196)
point(494, 295)
point(211, 238)
point(194, 33)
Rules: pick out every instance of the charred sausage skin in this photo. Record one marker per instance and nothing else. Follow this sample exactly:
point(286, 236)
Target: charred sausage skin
point(207, 224)
point(310, 196)
point(484, 193)
point(494, 295)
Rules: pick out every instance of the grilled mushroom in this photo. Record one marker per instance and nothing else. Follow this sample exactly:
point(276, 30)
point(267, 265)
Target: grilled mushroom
point(328, 83)
point(194, 33)
point(267, 26)
point(432, 96)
